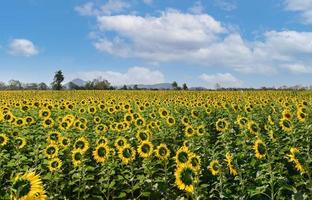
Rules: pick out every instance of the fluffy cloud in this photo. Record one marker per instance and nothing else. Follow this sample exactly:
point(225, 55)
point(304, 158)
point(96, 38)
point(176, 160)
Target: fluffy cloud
point(302, 6)
point(110, 7)
point(134, 75)
point(224, 80)
point(198, 38)
point(22, 47)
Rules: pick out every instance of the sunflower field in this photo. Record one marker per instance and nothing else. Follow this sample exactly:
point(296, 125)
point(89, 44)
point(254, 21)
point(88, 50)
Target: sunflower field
point(155, 145)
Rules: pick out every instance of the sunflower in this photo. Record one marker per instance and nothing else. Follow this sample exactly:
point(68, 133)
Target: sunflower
point(54, 136)
point(301, 116)
point(253, 128)
point(44, 113)
point(170, 121)
point(51, 151)
point(182, 155)
point(229, 160)
point(3, 140)
point(286, 114)
point(126, 153)
point(143, 135)
point(77, 157)
point(19, 122)
point(189, 131)
point(195, 161)
point(200, 130)
point(186, 177)
point(120, 142)
point(286, 125)
point(92, 110)
point(101, 129)
point(101, 153)
point(163, 113)
point(48, 123)
point(65, 142)
point(145, 149)
point(82, 144)
point(162, 152)
point(140, 122)
point(55, 164)
point(222, 125)
point(292, 158)
point(214, 167)
point(27, 187)
point(185, 120)
point(64, 125)
point(20, 142)
point(259, 148)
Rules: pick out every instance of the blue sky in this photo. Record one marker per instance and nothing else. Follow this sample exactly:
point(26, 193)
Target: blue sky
point(236, 43)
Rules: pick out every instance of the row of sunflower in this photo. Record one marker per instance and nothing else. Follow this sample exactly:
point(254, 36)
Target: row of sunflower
point(155, 145)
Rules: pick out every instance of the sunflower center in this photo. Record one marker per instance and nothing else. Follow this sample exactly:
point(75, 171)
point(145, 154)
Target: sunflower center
point(162, 151)
point(55, 164)
point(78, 156)
point(221, 124)
point(215, 166)
point(194, 162)
point(126, 153)
point(22, 187)
point(80, 145)
point(143, 136)
point(183, 157)
point(19, 142)
point(146, 148)
point(54, 136)
point(187, 176)
point(254, 127)
point(65, 142)
point(261, 149)
point(51, 150)
point(120, 142)
point(1, 139)
point(286, 123)
point(189, 130)
point(171, 121)
point(101, 152)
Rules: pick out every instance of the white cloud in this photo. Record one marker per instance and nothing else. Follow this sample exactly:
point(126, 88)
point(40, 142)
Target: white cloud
point(174, 36)
point(224, 80)
point(22, 47)
point(299, 68)
point(110, 7)
point(302, 6)
point(134, 75)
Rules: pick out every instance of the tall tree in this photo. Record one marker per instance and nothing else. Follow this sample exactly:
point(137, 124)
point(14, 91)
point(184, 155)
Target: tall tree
point(174, 85)
point(58, 79)
point(185, 86)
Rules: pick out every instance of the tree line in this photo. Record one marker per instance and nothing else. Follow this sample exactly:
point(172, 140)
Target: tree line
point(102, 84)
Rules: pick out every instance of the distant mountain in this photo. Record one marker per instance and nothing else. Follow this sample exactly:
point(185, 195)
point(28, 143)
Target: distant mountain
point(77, 81)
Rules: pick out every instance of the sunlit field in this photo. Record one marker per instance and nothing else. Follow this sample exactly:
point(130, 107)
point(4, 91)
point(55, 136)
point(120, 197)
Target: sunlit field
point(155, 145)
